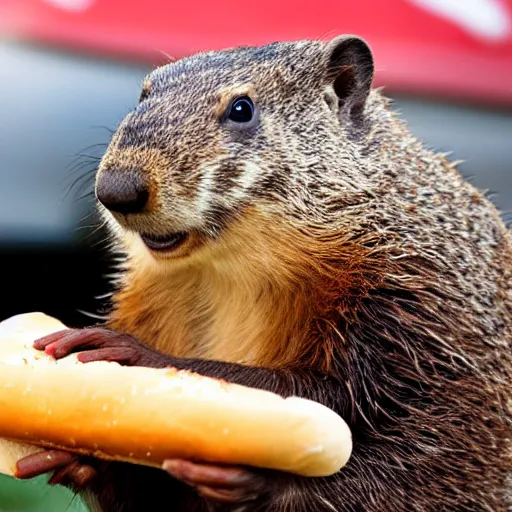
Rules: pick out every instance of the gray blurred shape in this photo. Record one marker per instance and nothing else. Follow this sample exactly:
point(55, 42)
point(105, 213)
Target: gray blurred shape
point(481, 138)
point(52, 106)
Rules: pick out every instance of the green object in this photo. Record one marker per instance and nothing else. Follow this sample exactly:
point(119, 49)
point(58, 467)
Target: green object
point(36, 496)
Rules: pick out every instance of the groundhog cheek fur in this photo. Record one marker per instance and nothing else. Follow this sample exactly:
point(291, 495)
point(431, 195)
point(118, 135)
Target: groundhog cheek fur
point(332, 241)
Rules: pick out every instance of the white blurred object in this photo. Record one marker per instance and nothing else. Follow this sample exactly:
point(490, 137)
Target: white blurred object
point(487, 19)
point(71, 5)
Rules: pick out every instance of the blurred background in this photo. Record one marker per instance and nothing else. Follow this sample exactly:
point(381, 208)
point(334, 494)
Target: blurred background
point(71, 69)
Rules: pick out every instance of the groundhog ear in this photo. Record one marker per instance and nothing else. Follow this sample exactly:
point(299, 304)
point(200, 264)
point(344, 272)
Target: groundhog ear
point(350, 70)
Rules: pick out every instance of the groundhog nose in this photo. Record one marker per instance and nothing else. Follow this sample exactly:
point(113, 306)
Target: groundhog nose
point(122, 191)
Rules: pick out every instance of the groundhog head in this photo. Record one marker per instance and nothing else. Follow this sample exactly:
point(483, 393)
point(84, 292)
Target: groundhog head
point(272, 129)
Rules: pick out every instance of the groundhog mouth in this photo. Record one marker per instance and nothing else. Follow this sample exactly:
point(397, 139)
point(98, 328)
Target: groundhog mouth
point(164, 243)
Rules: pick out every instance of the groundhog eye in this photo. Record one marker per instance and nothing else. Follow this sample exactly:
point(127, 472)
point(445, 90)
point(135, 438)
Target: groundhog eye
point(241, 110)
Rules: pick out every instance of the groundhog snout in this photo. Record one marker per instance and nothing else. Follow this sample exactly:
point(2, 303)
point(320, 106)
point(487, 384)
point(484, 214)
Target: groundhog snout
point(122, 191)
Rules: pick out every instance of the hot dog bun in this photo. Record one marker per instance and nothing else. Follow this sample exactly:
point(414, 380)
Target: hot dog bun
point(145, 416)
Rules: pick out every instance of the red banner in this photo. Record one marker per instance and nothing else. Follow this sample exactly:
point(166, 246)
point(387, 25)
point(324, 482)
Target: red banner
point(445, 47)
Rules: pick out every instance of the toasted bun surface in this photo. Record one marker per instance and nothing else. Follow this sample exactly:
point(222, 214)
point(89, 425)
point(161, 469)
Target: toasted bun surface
point(145, 416)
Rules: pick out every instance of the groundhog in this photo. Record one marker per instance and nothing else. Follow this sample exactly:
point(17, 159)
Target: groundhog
point(283, 229)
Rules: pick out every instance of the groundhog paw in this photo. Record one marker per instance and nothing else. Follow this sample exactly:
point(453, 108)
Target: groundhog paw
point(97, 344)
point(224, 484)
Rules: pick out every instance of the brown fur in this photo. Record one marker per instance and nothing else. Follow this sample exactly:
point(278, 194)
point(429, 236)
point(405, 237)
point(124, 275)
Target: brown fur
point(261, 312)
point(333, 256)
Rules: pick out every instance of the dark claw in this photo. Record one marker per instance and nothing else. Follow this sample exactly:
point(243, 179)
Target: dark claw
point(42, 462)
point(225, 495)
point(218, 483)
point(47, 342)
point(61, 344)
point(75, 475)
point(68, 469)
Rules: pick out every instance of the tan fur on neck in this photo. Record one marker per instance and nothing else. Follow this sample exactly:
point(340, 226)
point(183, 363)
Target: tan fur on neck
point(251, 297)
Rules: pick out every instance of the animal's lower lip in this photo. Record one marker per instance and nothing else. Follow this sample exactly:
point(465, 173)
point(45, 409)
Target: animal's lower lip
point(164, 242)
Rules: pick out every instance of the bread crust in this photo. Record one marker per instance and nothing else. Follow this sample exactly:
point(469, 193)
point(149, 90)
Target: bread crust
point(144, 415)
